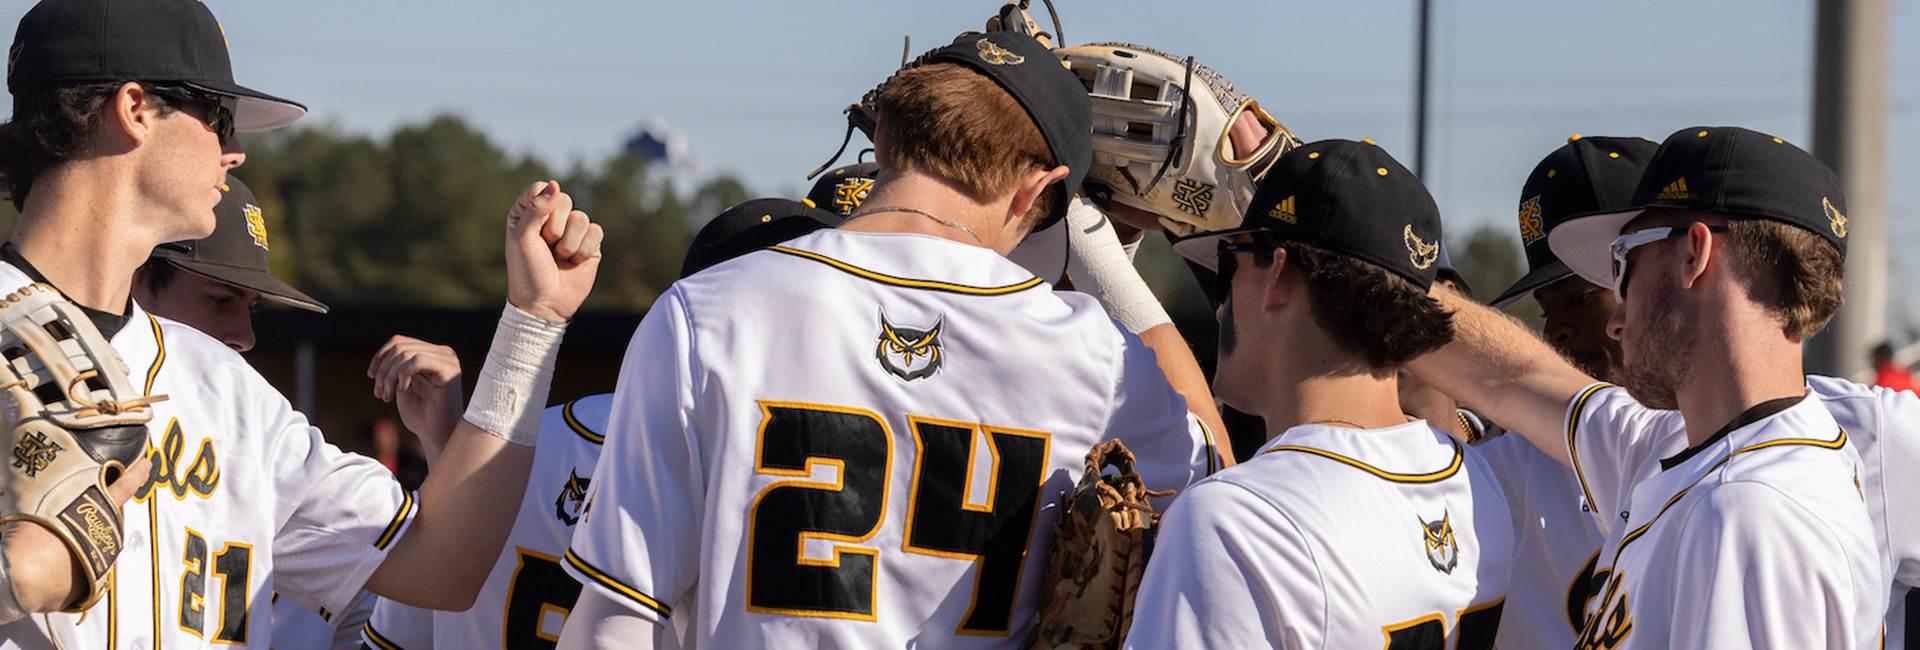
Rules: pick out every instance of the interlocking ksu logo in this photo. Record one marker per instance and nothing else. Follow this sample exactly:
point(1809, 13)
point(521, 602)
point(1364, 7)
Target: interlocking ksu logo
point(35, 453)
point(849, 193)
point(256, 225)
point(1531, 229)
point(1193, 198)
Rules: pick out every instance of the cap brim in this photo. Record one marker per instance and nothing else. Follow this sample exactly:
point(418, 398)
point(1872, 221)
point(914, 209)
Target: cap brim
point(1554, 271)
point(1204, 248)
point(1584, 244)
point(255, 110)
point(269, 287)
point(1044, 253)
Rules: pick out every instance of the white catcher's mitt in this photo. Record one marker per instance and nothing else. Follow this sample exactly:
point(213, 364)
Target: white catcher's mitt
point(1160, 140)
point(74, 422)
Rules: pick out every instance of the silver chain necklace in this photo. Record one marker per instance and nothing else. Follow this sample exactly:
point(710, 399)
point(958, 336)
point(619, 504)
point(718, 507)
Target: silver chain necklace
point(918, 211)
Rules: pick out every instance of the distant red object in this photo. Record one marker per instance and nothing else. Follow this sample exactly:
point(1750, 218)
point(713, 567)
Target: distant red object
point(1894, 377)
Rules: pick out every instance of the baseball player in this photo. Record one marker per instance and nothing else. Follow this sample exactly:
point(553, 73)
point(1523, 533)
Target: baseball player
point(847, 439)
point(1354, 526)
point(527, 597)
point(1557, 541)
point(121, 136)
point(1741, 519)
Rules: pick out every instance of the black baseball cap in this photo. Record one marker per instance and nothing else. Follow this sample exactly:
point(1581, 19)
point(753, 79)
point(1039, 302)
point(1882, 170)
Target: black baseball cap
point(1584, 177)
point(236, 252)
point(1040, 81)
point(1721, 169)
point(840, 191)
point(62, 42)
point(1347, 197)
point(751, 226)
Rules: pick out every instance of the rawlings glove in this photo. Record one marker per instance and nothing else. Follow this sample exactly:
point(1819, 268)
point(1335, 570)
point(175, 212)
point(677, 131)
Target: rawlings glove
point(74, 421)
point(1100, 546)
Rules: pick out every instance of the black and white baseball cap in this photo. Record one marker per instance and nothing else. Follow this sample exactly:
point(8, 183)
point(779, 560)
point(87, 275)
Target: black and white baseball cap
point(840, 191)
point(1348, 197)
point(155, 41)
point(1726, 170)
point(236, 252)
point(1584, 177)
point(749, 227)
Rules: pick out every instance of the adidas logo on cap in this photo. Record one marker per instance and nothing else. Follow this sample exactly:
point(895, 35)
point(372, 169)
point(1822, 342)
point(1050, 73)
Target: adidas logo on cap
point(1284, 211)
point(1674, 190)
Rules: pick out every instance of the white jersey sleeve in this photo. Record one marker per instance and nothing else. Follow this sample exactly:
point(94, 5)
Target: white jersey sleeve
point(1750, 577)
point(341, 513)
point(1201, 592)
point(639, 542)
point(398, 627)
point(1609, 435)
point(1146, 416)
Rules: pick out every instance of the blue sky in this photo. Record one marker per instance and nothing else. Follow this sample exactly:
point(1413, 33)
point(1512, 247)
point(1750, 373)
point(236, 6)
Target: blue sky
point(756, 86)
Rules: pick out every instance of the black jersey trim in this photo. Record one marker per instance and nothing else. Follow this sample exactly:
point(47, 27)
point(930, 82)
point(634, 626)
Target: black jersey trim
point(910, 283)
point(1430, 477)
point(618, 587)
point(566, 413)
point(1836, 443)
point(1757, 413)
point(399, 520)
point(1573, 427)
point(378, 641)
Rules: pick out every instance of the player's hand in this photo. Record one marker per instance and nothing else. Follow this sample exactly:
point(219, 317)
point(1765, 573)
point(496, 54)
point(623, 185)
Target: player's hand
point(553, 253)
point(423, 380)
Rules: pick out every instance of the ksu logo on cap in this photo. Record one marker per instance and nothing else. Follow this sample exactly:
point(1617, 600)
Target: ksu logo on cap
point(909, 354)
point(256, 225)
point(1673, 190)
point(1193, 198)
point(1422, 253)
point(997, 55)
point(1531, 230)
point(849, 193)
point(1835, 220)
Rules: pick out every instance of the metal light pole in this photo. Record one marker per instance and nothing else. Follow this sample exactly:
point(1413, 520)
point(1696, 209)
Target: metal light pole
point(1850, 136)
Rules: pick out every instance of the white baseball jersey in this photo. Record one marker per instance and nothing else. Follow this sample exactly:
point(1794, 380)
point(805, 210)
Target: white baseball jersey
point(528, 596)
point(245, 499)
point(1759, 537)
point(1556, 545)
point(858, 439)
point(1332, 537)
point(1884, 427)
point(298, 628)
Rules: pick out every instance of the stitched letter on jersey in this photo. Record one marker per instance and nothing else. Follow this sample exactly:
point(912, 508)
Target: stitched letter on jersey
point(1612, 623)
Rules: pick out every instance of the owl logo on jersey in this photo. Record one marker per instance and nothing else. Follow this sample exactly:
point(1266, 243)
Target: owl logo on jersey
point(573, 499)
point(1442, 551)
point(1422, 253)
point(909, 354)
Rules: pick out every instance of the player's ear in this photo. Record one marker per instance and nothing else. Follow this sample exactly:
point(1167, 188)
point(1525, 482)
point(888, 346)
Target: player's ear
point(1281, 279)
point(1031, 185)
point(1699, 251)
point(131, 116)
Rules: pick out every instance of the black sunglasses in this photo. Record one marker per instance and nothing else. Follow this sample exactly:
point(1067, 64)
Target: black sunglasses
point(1228, 264)
point(219, 107)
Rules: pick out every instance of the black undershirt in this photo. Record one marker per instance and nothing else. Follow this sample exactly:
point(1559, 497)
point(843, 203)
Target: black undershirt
point(108, 324)
point(1759, 412)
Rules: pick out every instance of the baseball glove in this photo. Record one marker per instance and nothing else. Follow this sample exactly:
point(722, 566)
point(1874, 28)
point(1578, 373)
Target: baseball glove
point(1160, 142)
point(1100, 547)
point(74, 421)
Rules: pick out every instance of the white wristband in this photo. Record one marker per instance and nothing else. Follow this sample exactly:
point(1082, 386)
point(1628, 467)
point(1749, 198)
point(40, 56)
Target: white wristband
point(512, 389)
point(1100, 266)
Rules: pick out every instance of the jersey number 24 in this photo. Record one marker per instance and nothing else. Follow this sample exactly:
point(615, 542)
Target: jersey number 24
point(941, 519)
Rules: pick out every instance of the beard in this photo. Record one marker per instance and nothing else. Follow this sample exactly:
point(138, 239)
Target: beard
point(1657, 355)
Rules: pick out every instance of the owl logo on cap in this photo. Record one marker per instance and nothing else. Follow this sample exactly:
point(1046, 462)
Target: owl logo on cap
point(997, 55)
point(1422, 253)
point(256, 225)
point(1835, 220)
point(1531, 230)
point(13, 56)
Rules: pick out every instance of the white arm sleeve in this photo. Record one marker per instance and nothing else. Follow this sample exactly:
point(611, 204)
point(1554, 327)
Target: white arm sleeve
point(597, 622)
point(1608, 435)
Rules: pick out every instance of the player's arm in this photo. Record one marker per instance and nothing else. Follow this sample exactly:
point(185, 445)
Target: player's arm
point(468, 503)
point(423, 381)
point(1099, 266)
point(1498, 367)
point(598, 622)
point(45, 576)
